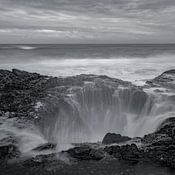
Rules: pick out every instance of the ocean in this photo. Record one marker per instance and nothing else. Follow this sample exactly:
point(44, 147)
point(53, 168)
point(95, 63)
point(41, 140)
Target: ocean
point(135, 63)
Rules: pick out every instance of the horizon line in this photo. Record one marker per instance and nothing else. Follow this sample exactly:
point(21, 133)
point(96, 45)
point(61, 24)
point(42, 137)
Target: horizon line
point(87, 43)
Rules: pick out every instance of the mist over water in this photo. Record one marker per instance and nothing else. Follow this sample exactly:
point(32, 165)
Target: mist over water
point(133, 63)
point(88, 113)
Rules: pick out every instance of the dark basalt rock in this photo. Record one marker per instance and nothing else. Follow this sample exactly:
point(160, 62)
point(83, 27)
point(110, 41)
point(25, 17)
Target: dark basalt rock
point(129, 153)
point(46, 146)
point(156, 139)
point(160, 146)
point(111, 150)
point(164, 135)
point(20, 90)
point(163, 155)
point(8, 151)
point(97, 154)
point(85, 153)
point(172, 71)
point(9, 140)
point(167, 127)
point(8, 148)
point(49, 161)
point(166, 79)
point(111, 138)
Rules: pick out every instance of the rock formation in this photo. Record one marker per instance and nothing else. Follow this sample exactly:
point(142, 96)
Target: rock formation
point(114, 138)
point(54, 110)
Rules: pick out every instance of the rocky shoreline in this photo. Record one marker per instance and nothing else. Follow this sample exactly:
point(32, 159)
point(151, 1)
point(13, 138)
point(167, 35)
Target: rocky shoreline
point(22, 96)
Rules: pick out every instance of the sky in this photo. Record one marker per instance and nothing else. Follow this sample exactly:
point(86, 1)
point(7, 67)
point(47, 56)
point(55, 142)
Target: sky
point(87, 21)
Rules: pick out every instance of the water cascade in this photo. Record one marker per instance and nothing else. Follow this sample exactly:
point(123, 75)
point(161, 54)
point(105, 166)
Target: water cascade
point(87, 113)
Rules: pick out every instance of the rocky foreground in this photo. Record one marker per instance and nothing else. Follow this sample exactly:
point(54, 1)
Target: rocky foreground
point(20, 96)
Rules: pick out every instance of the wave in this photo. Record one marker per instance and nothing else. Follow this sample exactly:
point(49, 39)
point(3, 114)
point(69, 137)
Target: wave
point(20, 47)
point(25, 47)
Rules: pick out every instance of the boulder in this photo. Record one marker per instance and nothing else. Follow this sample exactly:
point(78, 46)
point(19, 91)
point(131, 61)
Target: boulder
point(163, 155)
point(111, 138)
point(8, 152)
point(160, 146)
point(129, 153)
point(8, 148)
point(156, 139)
point(97, 154)
point(85, 153)
point(163, 136)
point(164, 141)
point(49, 161)
point(167, 127)
point(45, 146)
point(111, 150)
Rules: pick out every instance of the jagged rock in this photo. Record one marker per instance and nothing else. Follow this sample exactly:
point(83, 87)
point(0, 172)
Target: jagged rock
point(167, 127)
point(161, 154)
point(20, 91)
point(49, 161)
point(1, 113)
point(97, 154)
point(114, 138)
point(85, 153)
point(160, 146)
point(128, 153)
point(164, 141)
point(164, 135)
point(46, 146)
point(156, 139)
point(164, 155)
point(166, 79)
point(112, 149)
point(81, 153)
point(9, 148)
point(21, 73)
point(8, 151)
point(8, 140)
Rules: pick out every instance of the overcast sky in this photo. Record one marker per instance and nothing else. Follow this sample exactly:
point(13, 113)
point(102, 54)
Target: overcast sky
point(87, 21)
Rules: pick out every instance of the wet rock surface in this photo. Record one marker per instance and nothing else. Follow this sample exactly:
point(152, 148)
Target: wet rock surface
point(129, 153)
point(166, 79)
point(21, 90)
point(23, 95)
point(46, 146)
point(8, 149)
point(86, 153)
point(44, 161)
point(160, 146)
point(114, 138)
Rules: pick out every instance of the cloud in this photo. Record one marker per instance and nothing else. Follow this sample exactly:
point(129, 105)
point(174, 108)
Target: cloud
point(87, 21)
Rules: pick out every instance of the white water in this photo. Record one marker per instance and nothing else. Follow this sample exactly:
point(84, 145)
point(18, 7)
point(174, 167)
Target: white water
point(89, 113)
point(26, 135)
point(136, 70)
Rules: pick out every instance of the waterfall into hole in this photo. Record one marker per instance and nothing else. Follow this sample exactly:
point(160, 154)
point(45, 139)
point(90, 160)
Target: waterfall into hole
point(86, 114)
